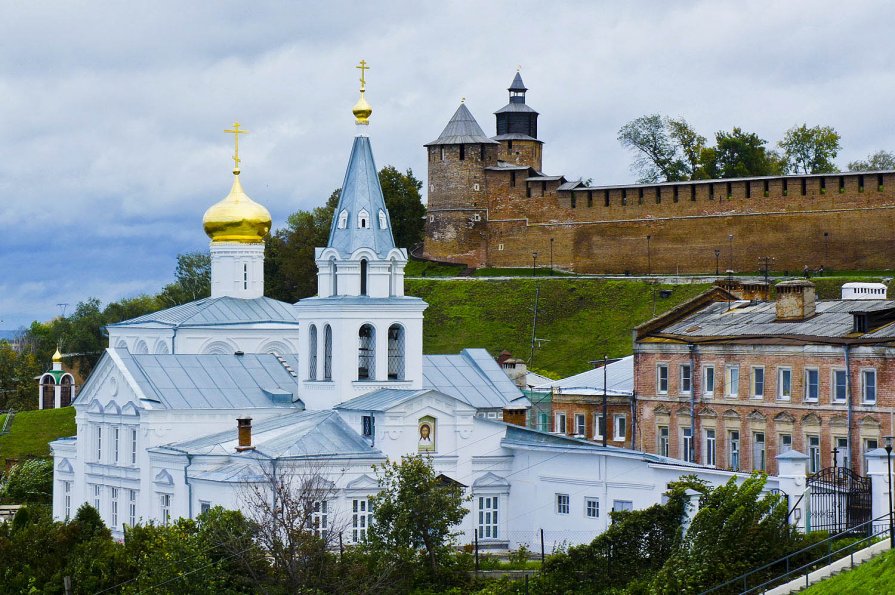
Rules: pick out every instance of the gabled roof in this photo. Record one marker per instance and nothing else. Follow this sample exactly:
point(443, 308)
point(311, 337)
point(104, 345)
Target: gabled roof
point(219, 311)
point(210, 381)
point(382, 399)
point(474, 377)
point(619, 380)
point(462, 129)
point(303, 434)
point(361, 191)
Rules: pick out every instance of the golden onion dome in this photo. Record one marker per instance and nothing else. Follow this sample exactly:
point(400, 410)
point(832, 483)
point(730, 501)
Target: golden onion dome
point(57, 357)
point(362, 110)
point(237, 218)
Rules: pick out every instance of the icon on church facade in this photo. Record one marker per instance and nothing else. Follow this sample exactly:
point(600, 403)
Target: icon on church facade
point(426, 434)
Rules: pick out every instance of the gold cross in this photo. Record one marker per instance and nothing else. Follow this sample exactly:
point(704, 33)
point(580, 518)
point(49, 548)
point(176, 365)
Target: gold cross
point(363, 68)
point(236, 132)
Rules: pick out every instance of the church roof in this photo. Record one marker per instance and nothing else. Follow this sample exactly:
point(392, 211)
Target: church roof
point(473, 377)
point(382, 399)
point(211, 381)
point(516, 107)
point(303, 434)
point(462, 129)
point(517, 84)
point(216, 312)
point(361, 192)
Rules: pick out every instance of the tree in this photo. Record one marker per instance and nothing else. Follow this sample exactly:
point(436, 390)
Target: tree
point(29, 482)
point(809, 150)
point(656, 157)
point(741, 154)
point(415, 515)
point(192, 279)
point(404, 204)
point(881, 160)
point(691, 144)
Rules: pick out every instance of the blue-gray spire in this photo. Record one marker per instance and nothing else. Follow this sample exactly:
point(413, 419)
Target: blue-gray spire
point(361, 219)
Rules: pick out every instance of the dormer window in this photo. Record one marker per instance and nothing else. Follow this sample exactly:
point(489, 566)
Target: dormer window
point(383, 221)
point(343, 219)
point(363, 220)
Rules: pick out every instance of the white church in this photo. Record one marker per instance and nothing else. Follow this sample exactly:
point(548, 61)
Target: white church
point(190, 405)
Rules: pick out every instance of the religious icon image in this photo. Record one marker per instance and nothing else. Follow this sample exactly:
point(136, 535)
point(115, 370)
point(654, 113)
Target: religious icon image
point(426, 434)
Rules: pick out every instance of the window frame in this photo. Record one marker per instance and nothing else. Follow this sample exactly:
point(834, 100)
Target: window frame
point(734, 452)
point(563, 503)
point(807, 397)
point(763, 451)
point(361, 518)
point(781, 394)
point(560, 428)
point(688, 378)
point(660, 370)
point(687, 453)
point(580, 417)
point(599, 426)
point(782, 447)
point(588, 508)
point(865, 372)
point(623, 435)
point(707, 371)
point(711, 447)
point(753, 382)
point(662, 442)
point(814, 458)
point(488, 518)
point(834, 386)
point(732, 389)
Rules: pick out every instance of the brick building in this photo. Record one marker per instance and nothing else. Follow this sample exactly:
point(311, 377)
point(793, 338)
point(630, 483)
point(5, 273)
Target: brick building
point(732, 379)
point(490, 204)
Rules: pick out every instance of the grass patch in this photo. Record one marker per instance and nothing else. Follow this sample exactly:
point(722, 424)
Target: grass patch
point(32, 431)
point(519, 272)
point(425, 268)
point(875, 576)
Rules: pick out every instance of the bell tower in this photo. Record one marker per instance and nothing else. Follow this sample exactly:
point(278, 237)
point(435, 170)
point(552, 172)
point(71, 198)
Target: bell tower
point(517, 129)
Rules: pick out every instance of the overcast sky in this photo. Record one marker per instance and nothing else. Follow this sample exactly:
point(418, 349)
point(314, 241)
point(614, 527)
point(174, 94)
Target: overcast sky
point(112, 113)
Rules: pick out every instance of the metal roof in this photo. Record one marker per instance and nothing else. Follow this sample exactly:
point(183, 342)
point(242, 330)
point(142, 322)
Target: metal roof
point(516, 107)
point(517, 84)
point(744, 179)
point(294, 435)
point(472, 376)
point(503, 165)
point(178, 381)
point(833, 319)
point(381, 400)
point(570, 185)
point(462, 129)
point(544, 179)
point(619, 380)
point(361, 192)
point(516, 136)
point(218, 311)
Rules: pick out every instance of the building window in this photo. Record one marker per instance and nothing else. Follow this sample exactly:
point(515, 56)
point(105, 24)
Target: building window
point(758, 383)
point(869, 444)
point(592, 508)
point(97, 497)
point(812, 378)
point(360, 519)
point(687, 444)
point(622, 505)
point(662, 379)
point(710, 447)
point(396, 352)
point(488, 517)
point(579, 424)
point(245, 276)
point(620, 427)
point(758, 452)
point(840, 385)
point(363, 276)
point(99, 443)
point(133, 446)
point(868, 385)
point(784, 383)
point(165, 508)
point(366, 353)
point(842, 454)
point(599, 426)
point(334, 272)
point(66, 499)
point(116, 434)
point(343, 219)
point(813, 454)
point(312, 352)
point(462, 152)
point(327, 352)
point(319, 521)
point(562, 504)
point(708, 381)
point(686, 379)
point(204, 506)
point(663, 441)
point(560, 426)
point(113, 499)
point(733, 450)
point(368, 429)
point(132, 507)
point(573, 201)
point(785, 443)
point(733, 381)
point(543, 422)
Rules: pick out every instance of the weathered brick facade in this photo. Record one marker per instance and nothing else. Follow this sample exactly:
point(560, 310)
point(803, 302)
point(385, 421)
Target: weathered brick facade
point(839, 221)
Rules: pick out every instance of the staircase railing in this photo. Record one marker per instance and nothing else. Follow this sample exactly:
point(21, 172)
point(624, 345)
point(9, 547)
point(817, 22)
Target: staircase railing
point(7, 422)
point(742, 584)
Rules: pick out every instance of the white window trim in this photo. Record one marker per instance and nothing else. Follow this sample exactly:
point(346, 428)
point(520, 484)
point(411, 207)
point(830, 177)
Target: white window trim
point(864, 386)
point(808, 399)
point(556, 507)
point(583, 418)
point(659, 379)
point(497, 510)
point(588, 500)
point(780, 395)
point(681, 369)
point(615, 426)
point(833, 398)
point(705, 446)
point(764, 382)
point(705, 384)
point(728, 385)
point(560, 428)
point(598, 435)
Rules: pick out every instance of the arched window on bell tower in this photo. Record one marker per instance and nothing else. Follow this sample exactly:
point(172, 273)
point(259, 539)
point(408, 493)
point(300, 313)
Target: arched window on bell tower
point(334, 279)
point(396, 352)
point(363, 276)
point(312, 353)
point(366, 353)
point(327, 352)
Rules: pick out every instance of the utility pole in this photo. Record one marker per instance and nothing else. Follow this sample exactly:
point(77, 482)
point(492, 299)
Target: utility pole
point(605, 403)
point(765, 262)
point(534, 326)
point(717, 262)
point(730, 247)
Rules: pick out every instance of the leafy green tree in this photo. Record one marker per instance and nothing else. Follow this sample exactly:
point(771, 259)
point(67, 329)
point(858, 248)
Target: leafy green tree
point(404, 204)
point(29, 482)
point(881, 160)
point(17, 372)
point(691, 144)
point(416, 514)
point(740, 154)
point(656, 156)
point(809, 150)
point(192, 279)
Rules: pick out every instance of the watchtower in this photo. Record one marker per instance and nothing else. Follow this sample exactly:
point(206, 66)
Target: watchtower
point(517, 129)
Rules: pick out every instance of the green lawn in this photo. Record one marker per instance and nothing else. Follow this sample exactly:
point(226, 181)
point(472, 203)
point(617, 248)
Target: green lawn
point(32, 431)
point(875, 576)
point(540, 271)
point(424, 268)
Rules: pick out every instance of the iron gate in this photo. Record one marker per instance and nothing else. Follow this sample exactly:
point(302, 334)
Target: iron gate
point(840, 500)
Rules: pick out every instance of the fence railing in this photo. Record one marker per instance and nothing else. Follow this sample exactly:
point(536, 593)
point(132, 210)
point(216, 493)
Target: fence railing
point(820, 554)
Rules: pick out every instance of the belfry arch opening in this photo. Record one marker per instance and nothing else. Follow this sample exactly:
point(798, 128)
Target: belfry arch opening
point(363, 276)
point(366, 352)
point(396, 352)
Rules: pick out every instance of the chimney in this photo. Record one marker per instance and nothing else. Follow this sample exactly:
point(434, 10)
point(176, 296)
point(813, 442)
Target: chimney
point(515, 416)
point(795, 300)
point(756, 291)
point(244, 430)
point(732, 285)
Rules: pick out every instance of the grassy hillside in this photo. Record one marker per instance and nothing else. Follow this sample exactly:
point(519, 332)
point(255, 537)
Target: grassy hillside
point(582, 319)
point(32, 431)
point(875, 576)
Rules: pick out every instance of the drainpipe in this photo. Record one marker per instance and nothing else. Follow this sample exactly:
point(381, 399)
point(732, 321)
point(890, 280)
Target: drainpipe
point(848, 401)
point(693, 375)
point(173, 337)
point(633, 419)
point(189, 486)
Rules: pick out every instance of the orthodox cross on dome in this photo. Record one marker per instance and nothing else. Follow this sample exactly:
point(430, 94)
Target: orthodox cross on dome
point(235, 131)
point(363, 80)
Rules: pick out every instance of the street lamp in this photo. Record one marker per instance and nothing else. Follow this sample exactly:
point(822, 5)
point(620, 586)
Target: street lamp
point(730, 245)
point(534, 264)
point(891, 520)
point(717, 261)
